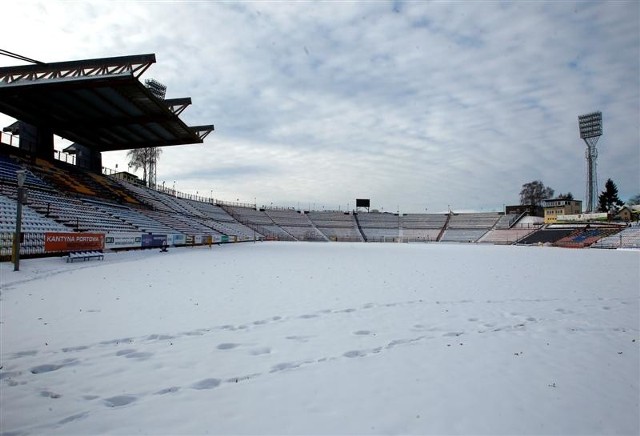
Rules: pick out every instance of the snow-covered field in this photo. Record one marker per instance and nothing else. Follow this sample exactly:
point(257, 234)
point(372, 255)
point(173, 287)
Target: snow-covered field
point(323, 338)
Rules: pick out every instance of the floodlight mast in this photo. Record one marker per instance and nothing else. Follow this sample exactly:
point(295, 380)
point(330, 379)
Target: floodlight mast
point(159, 91)
point(590, 131)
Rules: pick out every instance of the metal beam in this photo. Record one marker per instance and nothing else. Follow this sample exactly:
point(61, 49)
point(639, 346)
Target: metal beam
point(202, 131)
point(98, 103)
point(136, 65)
point(177, 105)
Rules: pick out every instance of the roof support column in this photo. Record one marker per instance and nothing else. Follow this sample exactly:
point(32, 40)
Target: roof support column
point(36, 140)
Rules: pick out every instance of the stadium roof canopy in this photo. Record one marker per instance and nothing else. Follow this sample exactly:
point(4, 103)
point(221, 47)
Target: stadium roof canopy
point(99, 103)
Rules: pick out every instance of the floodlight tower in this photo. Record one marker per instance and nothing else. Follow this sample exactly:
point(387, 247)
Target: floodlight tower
point(159, 91)
point(590, 132)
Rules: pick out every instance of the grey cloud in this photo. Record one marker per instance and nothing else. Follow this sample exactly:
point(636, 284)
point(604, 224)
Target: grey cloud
point(441, 102)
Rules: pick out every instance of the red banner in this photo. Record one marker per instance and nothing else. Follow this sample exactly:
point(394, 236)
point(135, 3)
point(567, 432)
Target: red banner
point(73, 242)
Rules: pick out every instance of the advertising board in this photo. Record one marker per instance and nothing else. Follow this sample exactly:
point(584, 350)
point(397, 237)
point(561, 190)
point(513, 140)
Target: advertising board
point(152, 240)
point(64, 242)
point(582, 217)
point(176, 239)
point(123, 240)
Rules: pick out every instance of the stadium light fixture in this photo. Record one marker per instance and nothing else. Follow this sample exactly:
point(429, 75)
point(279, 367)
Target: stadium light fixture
point(158, 89)
point(21, 175)
point(590, 131)
point(590, 125)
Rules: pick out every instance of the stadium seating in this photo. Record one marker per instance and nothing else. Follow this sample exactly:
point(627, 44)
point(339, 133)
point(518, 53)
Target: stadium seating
point(295, 224)
point(33, 225)
point(379, 227)
point(585, 237)
point(9, 167)
point(627, 238)
point(419, 235)
point(469, 227)
point(546, 236)
point(220, 220)
point(509, 229)
point(135, 218)
point(148, 197)
point(505, 236)
point(259, 221)
point(484, 221)
point(506, 221)
point(423, 221)
point(75, 214)
point(62, 198)
point(462, 235)
point(336, 225)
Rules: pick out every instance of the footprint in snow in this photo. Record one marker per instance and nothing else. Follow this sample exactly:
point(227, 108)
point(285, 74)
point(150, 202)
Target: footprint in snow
point(134, 354)
point(283, 366)
point(119, 400)
point(8, 374)
point(170, 390)
point(299, 338)
point(349, 310)
point(354, 353)
point(194, 333)
point(117, 341)
point(362, 332)
point(155, 337)
point(40, 369)
point(24, 354)
point(207, 383)
point(72, 418)
point(70, 349)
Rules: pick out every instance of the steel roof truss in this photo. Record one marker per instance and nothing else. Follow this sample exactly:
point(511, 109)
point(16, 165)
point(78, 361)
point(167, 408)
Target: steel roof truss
point(136, 65)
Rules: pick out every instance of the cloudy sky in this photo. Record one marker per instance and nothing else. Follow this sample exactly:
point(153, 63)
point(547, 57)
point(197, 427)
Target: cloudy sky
point(415, 105)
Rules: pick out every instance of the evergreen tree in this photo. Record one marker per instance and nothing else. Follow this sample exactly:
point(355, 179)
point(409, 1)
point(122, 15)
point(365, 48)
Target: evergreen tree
point(608, 200)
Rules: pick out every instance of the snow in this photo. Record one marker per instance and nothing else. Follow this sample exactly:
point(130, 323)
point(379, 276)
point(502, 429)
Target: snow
point(323, 338)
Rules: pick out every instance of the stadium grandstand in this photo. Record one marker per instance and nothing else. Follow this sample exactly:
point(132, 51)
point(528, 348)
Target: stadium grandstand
point(63, 200)
point(101, 105)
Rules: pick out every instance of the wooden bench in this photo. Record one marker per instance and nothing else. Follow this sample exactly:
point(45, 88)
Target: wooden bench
point(84, 255)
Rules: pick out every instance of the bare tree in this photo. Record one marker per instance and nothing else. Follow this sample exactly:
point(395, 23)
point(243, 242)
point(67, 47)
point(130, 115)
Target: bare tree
point(533, 193)
point(137, 160)
point(144, 158)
